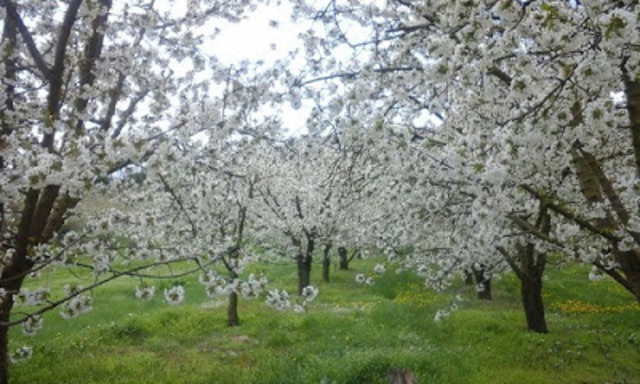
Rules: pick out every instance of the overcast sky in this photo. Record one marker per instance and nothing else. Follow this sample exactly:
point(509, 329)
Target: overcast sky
point(256, 38)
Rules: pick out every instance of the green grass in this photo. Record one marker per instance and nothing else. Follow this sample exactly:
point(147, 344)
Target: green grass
point(352, 334)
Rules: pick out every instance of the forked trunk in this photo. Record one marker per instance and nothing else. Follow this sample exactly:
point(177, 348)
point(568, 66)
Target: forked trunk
point(528, 266)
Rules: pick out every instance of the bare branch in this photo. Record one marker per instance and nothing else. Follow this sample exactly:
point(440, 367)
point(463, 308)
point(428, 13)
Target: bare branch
point(115, 275)
point(194, 230)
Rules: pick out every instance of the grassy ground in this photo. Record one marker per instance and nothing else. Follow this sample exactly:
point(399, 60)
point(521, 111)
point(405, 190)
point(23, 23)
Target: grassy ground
point(353, 333)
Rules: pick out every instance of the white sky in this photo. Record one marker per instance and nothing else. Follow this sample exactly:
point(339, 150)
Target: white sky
point(254, 39)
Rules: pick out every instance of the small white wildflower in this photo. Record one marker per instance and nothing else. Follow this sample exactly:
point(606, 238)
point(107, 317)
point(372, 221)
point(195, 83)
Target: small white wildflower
point(379, 269)
point(360, 278)
point(369, 281)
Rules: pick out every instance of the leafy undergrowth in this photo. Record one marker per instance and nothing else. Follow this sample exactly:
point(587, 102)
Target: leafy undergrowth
point(353, 333)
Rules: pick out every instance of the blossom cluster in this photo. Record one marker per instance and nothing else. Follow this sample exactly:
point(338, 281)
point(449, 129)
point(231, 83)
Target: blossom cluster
point(77, 304)
point(281, 301)
point(219, 286)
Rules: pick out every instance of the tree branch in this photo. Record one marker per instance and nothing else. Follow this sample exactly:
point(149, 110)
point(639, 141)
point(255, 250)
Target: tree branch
point(194, 230)
point(115, 275)
point(582, 222)
point(56, 79)
point(27, 38)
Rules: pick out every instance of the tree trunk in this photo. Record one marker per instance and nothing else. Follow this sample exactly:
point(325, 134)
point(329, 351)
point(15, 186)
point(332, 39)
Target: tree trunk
point(11, 280)
point(468, 276)
point(326, 267)
point(483, 284)
point(232, 311)
point(532, 264)
point(344, 259)
point(304, 264)
point(528, 265)
point(629, 262)
point(304, 271)
point(4, 348)
point(632, 93)
point(326, 263)
point(12, 277)
point(531, 289)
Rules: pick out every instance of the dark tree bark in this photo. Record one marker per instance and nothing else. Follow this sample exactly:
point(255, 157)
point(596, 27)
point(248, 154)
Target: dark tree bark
point(326, 263)
point(304, 271)
point(483, 282)
point(9, 37)
point(629, 262)
point(468, 276)
point(528, 265)
point(531, 290)
point(344, 259)
point(303, 261)
point(12, 278)
point(16, 270)
point(233, 320)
